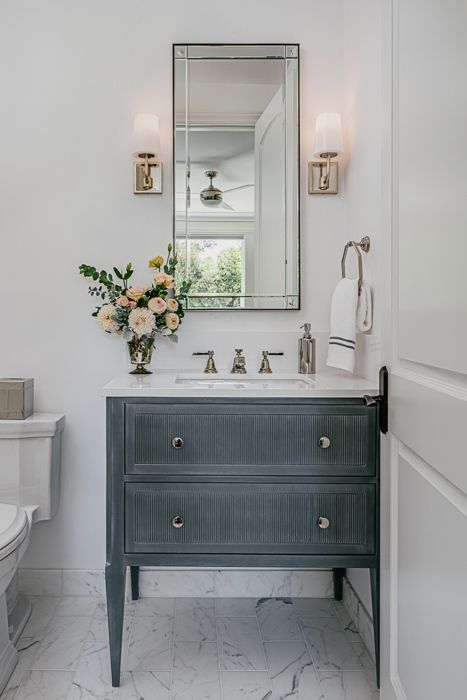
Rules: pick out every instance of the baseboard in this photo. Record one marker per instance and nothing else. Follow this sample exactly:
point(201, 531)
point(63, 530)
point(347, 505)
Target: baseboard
point(185, 583)
point(360, 616)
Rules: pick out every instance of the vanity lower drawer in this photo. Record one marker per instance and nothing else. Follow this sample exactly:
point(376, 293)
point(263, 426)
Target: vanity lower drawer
point(264, 439)
point(250, 518)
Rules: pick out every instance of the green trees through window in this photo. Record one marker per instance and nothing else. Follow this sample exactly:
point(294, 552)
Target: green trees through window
point(213, 266)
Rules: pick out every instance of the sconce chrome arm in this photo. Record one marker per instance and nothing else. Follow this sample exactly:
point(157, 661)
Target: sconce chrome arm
point(324, 179)
point(148, 181)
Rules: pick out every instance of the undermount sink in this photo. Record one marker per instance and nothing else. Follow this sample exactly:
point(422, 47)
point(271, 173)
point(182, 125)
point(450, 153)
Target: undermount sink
point(242, 382)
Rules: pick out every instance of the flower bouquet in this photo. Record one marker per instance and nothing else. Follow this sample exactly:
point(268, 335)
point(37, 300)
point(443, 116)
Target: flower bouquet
point(139, 313)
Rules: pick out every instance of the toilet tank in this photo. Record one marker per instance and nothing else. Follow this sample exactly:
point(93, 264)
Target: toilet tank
point(30, 462)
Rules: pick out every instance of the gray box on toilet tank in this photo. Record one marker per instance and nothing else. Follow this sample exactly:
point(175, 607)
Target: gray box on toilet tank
point(16, 398)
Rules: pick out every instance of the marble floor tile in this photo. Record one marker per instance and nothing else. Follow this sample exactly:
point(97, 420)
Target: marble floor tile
point(277, 619)
point(195, 620)
point(61, 645)
point(146, 685)
point(346, 621)
point(27, 649)
point(42, 685)
point(193, 649)
point(240, 646)
point(195, 674)
point(92, 677)
point(43, 609)
point(314, 607)
point(291, 671)
point(328, 644)
point(253, 685)
point(345, 685)
point(151, 640)
point(236, 607)
point(99, 629)
point(82, 606)
point(154, 606)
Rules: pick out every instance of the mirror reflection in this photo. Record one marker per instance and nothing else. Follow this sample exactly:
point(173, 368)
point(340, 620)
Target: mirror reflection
point(236, 175)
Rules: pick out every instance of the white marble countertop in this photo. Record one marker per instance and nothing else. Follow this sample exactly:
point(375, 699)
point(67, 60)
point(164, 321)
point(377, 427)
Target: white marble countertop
point(252, 385)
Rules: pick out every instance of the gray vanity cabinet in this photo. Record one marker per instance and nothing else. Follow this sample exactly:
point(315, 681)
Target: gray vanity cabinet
point(239, 482)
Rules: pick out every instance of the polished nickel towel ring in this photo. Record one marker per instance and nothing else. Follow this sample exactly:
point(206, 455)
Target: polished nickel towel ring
point(363, 245)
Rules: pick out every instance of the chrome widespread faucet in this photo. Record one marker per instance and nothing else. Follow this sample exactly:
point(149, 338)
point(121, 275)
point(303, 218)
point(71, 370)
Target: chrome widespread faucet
point(239, 363)
point(265, 367)
point(210, 365)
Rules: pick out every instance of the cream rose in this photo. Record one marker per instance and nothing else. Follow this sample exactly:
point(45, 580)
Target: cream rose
point(141, 322)
point(172, 321)
point(164, 279)
point(135, 293)
point(105, 317)
point(172, 304)
point(157, 305)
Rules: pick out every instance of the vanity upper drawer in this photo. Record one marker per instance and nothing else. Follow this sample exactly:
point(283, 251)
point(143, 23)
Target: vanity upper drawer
point(245, 518)
point(254, 439)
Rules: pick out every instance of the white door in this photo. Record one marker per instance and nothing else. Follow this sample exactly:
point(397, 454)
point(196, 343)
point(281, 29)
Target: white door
point(424, 465)
point(270, 199)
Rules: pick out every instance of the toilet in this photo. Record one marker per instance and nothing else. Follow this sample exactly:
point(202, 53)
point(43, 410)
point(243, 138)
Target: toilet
point(29, 492)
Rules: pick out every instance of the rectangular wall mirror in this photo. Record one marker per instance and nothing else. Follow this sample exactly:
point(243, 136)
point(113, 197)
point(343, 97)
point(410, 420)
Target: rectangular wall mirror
point(236, 174)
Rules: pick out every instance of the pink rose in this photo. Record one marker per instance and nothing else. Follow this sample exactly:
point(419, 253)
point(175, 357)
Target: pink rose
point(122, 301)
point(157, 305)
point(132, 304)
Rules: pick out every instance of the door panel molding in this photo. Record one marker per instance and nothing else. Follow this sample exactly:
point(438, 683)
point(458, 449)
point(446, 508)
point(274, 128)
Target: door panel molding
point(450, 504)
point(436, 430)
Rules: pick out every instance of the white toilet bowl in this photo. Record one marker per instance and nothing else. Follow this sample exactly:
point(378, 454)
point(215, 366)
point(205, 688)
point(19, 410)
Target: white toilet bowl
point(15, 532)
point(29, 492)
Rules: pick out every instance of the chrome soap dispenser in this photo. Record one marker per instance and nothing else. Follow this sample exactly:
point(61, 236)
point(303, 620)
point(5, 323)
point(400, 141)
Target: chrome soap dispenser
point(306, 351)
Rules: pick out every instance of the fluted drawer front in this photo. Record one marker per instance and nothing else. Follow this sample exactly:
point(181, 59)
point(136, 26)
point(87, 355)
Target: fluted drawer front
point(253, 439)
point(278, 518)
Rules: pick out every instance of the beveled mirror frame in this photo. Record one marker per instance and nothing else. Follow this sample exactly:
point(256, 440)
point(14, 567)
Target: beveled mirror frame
point(182, 51)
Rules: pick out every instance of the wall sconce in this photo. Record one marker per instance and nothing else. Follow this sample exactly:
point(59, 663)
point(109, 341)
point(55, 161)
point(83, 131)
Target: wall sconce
point(323, 174)
point(147, 172)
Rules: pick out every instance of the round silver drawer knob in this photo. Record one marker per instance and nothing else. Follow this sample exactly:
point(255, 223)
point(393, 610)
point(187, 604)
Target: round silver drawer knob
point(323, 523)
point(177, 442)
point(324, 442)
point(177, 521)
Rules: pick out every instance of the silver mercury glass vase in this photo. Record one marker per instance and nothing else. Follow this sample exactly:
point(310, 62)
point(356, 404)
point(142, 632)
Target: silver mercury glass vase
point(140, 350)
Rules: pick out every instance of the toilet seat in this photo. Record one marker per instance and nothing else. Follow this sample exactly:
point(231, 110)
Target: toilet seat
point(13, 528)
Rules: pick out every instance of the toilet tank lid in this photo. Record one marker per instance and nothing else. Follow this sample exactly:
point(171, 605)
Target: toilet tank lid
point(37, 425)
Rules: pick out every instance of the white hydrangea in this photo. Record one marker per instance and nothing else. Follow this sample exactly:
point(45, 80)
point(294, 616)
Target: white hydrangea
point(105, 318)
point(141, 322)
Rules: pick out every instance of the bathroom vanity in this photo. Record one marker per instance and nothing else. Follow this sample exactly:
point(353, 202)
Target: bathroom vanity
point(253, 472)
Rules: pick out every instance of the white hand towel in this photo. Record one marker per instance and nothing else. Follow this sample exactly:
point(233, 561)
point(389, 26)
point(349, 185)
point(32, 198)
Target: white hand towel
point(341, 352)
point(364, 309)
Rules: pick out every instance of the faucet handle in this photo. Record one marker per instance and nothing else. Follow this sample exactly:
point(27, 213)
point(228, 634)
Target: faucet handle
point(265, 367)
point(239, 351)
point(210, 365)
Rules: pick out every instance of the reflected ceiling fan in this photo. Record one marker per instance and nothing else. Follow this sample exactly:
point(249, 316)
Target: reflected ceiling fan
point(214, 197)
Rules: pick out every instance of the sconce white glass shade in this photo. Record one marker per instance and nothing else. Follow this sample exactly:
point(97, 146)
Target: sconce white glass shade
point(328, 134)
point(146, 137)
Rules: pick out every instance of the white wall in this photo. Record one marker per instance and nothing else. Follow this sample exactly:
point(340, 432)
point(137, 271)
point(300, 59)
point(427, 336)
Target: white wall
point(363, 119)
point(73, 74)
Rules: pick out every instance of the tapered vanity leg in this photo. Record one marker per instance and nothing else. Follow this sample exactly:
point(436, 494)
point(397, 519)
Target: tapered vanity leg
point(375, 600)
point(338, 577)
point(134, 573)
point(115, 588)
